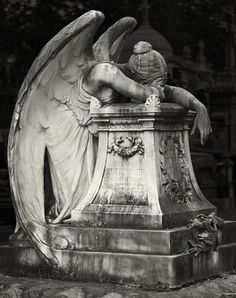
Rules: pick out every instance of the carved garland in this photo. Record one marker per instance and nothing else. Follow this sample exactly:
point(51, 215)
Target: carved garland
point(178, 190)
point(136, 146)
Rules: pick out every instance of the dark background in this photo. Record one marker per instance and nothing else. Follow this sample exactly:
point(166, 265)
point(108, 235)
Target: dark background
point(26, 25)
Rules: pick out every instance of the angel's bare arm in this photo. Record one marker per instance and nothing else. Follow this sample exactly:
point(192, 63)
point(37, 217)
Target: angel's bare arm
point(182, 97)
point(107, 75)
point(187, 100)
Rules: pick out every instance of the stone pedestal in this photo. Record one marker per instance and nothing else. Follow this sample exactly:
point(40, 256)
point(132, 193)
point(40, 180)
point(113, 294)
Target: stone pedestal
point(133, 226)
point(144, 176)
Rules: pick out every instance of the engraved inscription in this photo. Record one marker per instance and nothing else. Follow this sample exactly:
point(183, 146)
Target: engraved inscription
point(125, 124)
point(130, 124)
point(123, 186)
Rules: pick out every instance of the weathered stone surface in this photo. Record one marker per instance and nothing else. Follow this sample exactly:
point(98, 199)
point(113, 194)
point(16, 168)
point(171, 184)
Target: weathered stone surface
point(150, 258)
point(164, 242)
point(125, 240)
point(150, 271)
point(143, 176)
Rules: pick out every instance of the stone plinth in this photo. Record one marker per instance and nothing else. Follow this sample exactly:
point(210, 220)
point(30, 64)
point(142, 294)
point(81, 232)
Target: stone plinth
point(151, 259)
point(144, 176)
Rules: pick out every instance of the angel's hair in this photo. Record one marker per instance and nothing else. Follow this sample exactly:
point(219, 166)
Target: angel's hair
point(147, 66)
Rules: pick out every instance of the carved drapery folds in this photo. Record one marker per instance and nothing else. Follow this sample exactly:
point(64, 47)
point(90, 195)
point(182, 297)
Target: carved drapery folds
point(180, 189)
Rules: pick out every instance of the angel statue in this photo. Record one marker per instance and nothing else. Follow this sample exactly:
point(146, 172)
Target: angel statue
point(52, 118)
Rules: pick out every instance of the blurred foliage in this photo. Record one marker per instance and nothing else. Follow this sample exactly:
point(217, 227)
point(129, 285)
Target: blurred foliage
point(26, 25)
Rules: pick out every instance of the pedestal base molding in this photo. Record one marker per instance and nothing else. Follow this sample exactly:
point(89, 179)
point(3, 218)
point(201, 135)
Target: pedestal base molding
point(149, 258)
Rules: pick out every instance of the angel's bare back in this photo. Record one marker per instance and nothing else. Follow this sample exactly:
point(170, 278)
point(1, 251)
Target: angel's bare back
point(107, 80)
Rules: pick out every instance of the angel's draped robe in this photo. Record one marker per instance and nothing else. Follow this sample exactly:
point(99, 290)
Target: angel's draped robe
point(72, 150)
point(63, 130)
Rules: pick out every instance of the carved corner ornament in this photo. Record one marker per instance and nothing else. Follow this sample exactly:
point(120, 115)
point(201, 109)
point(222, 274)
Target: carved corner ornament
point(153, 101)
point(205, 230)
point(135, 146)
point(95, 103)
point(177, 188)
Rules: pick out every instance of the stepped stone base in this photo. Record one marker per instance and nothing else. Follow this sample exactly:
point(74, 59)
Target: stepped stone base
point(137, 218)
point(149, 258)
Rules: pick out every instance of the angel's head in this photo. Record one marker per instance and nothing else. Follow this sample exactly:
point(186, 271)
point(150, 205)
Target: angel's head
point(147, 66)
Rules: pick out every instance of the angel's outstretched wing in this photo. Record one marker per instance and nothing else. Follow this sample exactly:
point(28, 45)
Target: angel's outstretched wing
point(60, 63)
point(109, 46)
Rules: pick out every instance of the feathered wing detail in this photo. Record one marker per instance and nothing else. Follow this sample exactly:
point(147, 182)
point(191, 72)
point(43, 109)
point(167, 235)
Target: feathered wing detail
point(109, 46)
point(76, 39)
point(46, 88)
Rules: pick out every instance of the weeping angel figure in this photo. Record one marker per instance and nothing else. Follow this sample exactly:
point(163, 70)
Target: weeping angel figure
point(52, 118)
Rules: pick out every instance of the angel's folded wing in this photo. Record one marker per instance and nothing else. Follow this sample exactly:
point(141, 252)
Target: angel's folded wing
point(109, 46)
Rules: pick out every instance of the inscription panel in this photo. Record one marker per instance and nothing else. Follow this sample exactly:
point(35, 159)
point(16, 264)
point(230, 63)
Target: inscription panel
point(124, 181)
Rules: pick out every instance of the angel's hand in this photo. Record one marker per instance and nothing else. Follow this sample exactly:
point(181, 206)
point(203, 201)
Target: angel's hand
point(153, 101)
point(202, 123)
